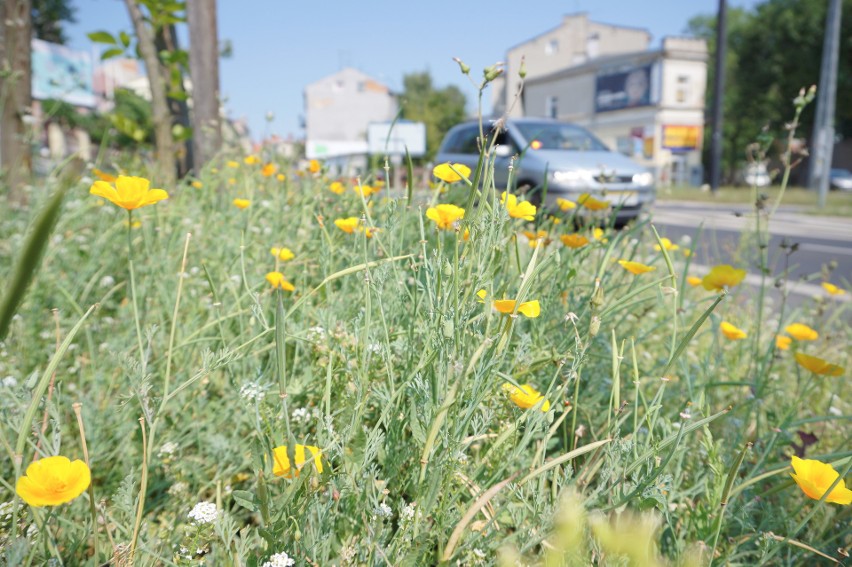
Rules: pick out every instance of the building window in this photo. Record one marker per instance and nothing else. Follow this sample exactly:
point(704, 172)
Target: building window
point(551, 110)
point(551, 47)
point(593, 45)
point(682, 92)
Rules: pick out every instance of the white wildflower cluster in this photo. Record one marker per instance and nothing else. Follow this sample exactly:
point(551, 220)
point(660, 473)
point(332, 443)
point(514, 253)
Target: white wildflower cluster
point(280, 560)
point(407, 512)
point(168, 449)
point(252, 391)
point(203, 513)
point(9, 382)
point(179, 488)
point(382, 511)
point(301, 414)
point(374, 348)
point(315, 333)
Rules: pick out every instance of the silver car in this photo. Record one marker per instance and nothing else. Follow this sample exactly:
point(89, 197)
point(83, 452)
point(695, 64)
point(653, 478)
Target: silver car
point(568, 157)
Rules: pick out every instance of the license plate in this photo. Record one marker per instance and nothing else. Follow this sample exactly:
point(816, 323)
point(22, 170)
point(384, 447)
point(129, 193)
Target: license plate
point(622, 198)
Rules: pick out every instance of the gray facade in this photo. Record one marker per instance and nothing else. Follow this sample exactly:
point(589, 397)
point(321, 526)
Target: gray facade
point(339, 107)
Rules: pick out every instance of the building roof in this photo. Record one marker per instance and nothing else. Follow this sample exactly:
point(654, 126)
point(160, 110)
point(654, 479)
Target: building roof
point(634, 57)
point(576, 15)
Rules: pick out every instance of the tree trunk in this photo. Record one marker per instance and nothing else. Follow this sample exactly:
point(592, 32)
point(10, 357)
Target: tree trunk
point(15, 93)
point(159, 105)
point(167, 40)
point(204, 71)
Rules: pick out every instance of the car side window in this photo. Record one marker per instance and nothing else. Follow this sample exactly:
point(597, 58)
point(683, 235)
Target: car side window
point(464, 142)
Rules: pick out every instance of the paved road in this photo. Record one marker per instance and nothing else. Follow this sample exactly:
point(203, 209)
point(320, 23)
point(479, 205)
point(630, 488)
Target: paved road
point(726, 228)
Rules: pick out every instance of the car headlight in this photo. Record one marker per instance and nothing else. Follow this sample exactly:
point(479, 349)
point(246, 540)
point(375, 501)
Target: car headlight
point(645, 178)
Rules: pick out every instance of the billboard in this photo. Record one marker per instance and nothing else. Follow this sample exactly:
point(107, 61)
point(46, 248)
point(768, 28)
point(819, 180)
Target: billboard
point(681, 138)
point(62, 74)
point(624, 88)
point(393, 138)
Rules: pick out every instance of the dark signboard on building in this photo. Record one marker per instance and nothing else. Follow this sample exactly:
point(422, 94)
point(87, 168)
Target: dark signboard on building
point(623, 88)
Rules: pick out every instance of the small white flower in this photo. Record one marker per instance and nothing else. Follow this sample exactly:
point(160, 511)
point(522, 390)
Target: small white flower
point(203, 513)
point(383, 511)
point(252, 391)
point(478, 553)
point(107, 281)
point(9, 382)
point(168, 449)
point(407, 512)
point(301, 414)
point(280, 560)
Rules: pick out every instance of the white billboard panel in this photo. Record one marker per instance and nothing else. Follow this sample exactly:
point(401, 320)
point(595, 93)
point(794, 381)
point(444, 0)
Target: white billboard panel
point(389, 138)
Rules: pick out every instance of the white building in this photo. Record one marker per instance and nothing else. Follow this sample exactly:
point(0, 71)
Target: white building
point(647, 104)
point(338, 110)
point(573, 42)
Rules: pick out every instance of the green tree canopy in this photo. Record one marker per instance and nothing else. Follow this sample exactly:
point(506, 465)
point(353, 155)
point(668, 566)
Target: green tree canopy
point(438, 109)
point(48, 17)
point(773, 51)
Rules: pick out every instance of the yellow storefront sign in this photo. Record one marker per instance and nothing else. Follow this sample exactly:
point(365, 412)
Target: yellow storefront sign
point(681, 137)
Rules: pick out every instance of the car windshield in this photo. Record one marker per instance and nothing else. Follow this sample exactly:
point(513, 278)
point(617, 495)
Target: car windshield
point(544, 136)
point(841, 173)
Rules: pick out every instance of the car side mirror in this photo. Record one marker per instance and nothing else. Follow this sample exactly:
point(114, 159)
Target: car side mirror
point(502, 151)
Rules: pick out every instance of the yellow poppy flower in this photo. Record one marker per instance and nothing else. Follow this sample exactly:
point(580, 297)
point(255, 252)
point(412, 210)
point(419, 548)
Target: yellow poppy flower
point(523, 210)
point(347, 225)
point(268, 170)
point(337, 187)
point(445, 216)
point(801, 332)
point(103, 176)
point(481, 294)
point(533, 238)
point(525, 397)
point(574, 240)
point(368, 231)
point(277, 281)
point(721, 277)
point(282, 254)
point(366, 190)
point(129, 192)
point(818, 366)
point(445, 172)
point(832, 289)
point(314, 166)
point(251, 160)
point(667, 244)
point(466, 235)
point(636, 268)
point(197, 184)
point(565, 204)
point(693, 280)
point(815, 478)
point(280, 177)
point(732, 332)
point(282, 467)
point(52, 481)
point(530, 309)
point(241, 203)
point(687, 252)
point(782, 342)
point(233, 164)
point(591, 203)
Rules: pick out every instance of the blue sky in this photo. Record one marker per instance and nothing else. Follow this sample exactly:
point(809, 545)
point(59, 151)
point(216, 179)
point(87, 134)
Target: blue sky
point(279, 46)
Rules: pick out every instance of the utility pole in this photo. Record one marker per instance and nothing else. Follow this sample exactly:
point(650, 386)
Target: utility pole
point(15, 93)
point(823, 136)
point(718, 96)
point(204, 72)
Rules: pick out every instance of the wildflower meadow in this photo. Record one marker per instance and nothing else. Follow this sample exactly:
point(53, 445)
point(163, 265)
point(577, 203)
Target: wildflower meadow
point(268, 364)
